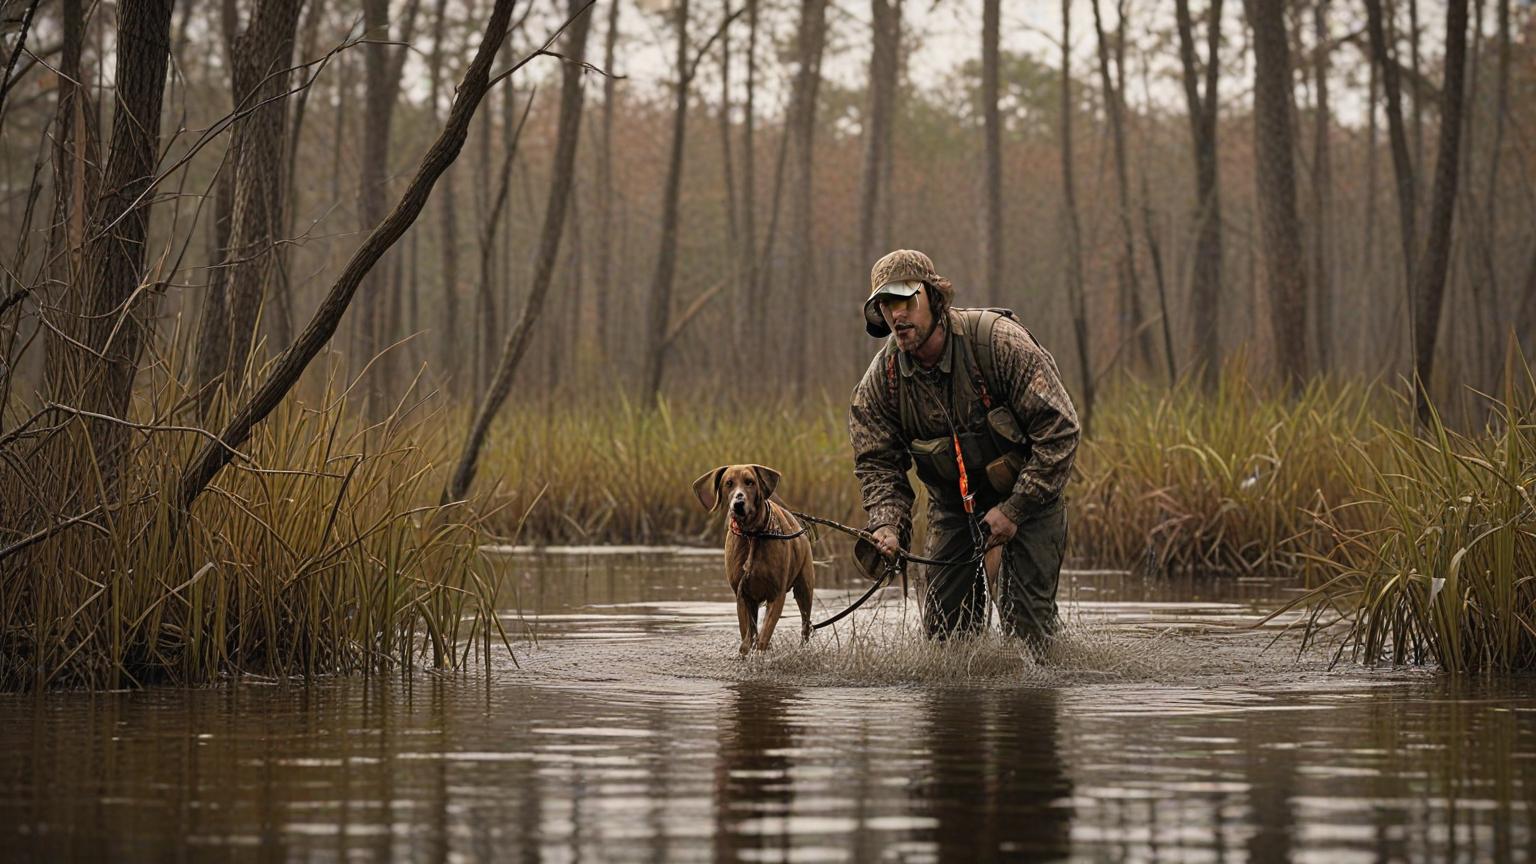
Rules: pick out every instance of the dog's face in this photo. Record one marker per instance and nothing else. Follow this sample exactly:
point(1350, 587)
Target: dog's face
point(744, 489)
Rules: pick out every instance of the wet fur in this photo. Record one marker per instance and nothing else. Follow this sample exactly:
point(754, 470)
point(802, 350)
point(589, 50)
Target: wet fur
point(761, 572)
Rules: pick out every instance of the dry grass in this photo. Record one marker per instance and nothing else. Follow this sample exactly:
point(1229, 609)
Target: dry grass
point(320, 554)
point(611, 472)
point(1171, 479)
point(1222, 482)
point(1436, 561)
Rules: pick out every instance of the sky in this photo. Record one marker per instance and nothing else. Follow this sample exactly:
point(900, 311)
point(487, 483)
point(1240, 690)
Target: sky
point(943, 34)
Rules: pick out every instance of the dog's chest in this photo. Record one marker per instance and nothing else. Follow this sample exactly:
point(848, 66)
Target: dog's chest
point(757, 585)
point(756, 568)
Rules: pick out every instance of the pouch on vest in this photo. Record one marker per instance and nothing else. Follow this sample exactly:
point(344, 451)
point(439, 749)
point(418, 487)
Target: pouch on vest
point(1006, 426)
point(1003, 471)
point(934, 459)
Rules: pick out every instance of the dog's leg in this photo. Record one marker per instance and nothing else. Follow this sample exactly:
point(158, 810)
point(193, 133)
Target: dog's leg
point(802, 589)
point(747, 619)
point(770, 621)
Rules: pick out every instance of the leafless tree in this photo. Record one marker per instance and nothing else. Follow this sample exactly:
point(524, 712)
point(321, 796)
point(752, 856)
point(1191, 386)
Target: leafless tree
point(810, 42)
point(1205, 299)
point(1074, 272)
point(992, 152)
point(1114, 107)
point(1274, 141)
point(573, 51)
point(96, 369)
point(285, 372)
point(1429, 284)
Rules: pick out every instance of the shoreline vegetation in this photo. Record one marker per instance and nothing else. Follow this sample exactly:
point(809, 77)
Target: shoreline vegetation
point(1417, 547)
point(326, 551)
point(322, 552)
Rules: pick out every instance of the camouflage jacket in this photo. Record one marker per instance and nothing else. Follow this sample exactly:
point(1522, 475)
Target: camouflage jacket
point(1032, 389)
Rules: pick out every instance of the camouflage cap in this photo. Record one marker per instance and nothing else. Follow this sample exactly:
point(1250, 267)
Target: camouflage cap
point(888, 276)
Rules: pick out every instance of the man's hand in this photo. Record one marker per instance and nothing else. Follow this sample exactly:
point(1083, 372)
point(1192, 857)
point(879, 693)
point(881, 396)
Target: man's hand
point(888, 541)
point(1001, 529)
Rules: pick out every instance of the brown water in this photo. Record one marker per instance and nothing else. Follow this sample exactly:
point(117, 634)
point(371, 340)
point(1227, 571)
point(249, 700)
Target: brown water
point(1160, 729)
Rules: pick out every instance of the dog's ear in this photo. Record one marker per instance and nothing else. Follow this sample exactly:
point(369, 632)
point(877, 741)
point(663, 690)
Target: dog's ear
point(768, 477)
point(707, 488)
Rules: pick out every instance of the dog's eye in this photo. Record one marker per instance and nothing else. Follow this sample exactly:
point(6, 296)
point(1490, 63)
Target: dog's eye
point(746, 482)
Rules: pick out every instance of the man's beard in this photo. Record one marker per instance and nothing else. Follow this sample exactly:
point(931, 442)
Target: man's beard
point(916, 339)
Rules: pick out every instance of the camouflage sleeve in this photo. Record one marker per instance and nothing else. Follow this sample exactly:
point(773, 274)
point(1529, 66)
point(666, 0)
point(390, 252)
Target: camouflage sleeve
point(880, 457)
point(1044, 409)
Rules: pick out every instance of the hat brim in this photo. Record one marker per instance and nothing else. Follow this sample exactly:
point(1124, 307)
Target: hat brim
point(874, 322)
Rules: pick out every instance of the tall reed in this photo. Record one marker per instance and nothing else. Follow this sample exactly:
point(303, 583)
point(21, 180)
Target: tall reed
point(1217, 482)
point(321, 553)
point(1174, 479)
point(608, 471)
point(1436, 559)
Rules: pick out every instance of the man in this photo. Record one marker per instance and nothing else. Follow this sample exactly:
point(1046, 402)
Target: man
point(973, 380)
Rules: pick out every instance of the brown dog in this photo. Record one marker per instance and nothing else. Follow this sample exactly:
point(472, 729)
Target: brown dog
point(760, 569)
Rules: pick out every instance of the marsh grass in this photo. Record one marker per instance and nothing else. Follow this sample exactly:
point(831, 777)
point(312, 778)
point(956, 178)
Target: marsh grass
point(608, 471)
point(1435, 562)
point(1170, 480)
point(320, 553)
point(1222, 482)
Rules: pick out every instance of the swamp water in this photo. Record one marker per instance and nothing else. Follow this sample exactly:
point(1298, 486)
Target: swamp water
point(1164, 727)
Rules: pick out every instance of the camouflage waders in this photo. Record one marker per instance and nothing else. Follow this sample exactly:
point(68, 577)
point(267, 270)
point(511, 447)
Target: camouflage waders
point(956, 600)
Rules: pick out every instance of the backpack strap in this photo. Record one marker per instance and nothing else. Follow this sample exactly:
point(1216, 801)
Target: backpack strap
point(906, 413)
point(980, 324)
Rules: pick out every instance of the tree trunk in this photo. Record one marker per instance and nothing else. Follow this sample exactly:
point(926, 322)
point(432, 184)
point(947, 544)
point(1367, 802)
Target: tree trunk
point(1429, 287)
point(1274, 140)
point(566, 144)
point(1206, 289)
point(750, 300)
point(75, 157)
point(883, 65)
point(1322, 192)
point(261, 54)
point(449, 346)
point(811, 41)
point(373, 188)
point(1074, 274)
point(213, 325)
point(659, 306)
point(117, 309)
point(604, 284)
point(1401, 165)
point(282, 331)
point(1525, 317)
point(732, 262)
point(1414, 34)
point(381, 88)
point(992, 153)
point(1114, 107)
point(212, 456)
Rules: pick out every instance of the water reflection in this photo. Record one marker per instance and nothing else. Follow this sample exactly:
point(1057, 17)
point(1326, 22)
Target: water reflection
point(994, 778)
point(636, 748)
point(753, 789)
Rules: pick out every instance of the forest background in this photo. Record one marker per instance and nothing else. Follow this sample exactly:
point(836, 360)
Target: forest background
point(1077, 203)
point(240, 232)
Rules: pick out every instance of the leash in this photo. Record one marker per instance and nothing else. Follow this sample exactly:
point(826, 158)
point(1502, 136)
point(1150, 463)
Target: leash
point(901, 554)
point(765, 535)
point(890, 569)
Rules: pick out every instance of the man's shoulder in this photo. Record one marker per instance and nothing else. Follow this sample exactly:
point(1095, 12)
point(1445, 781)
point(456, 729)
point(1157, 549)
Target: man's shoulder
point(877, 372)
point(1006, 331)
